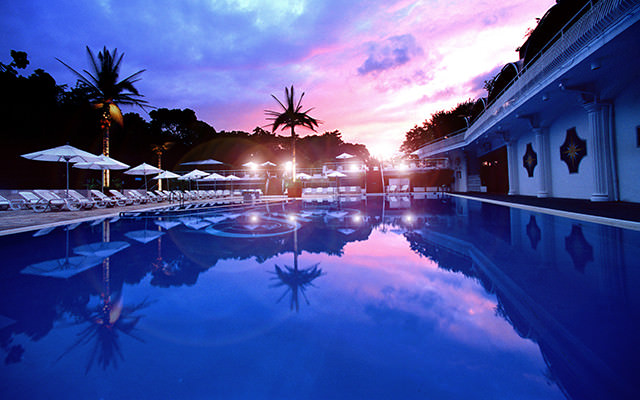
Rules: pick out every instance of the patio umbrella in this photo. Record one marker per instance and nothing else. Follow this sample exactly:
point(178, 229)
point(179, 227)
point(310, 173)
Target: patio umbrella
point(268, 164)
point(144, 236)
point(64, 153)
point(64, 267)
point(100, 249)
point(166, 175)
point(193, 176)
point(102, 163)
point(208, 161)
point(231, 178)
point(143, 169)
point(337, 175)
point(345, 156)
point(303, 176)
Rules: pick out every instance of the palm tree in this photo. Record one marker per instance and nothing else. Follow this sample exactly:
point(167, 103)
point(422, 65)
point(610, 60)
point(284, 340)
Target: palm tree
point(106, 92)
point(160, 149)
point(289, 117)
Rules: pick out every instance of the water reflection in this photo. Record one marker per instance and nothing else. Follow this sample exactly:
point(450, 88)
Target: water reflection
point(404, 280)
point(297, 280)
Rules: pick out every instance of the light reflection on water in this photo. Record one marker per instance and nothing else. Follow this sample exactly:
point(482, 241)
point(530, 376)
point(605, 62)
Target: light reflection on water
point(412, 299)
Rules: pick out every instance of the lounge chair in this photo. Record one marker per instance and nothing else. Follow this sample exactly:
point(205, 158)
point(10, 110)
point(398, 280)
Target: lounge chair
point(393, 188)
point(33, 202)
point(6, 204)
point(404, 189)
point(137, 195)
point(85, 203)
point(129, 200)
point(57, 202)
point(108, 201)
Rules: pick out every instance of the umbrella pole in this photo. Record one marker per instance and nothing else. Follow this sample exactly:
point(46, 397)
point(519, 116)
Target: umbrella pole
point(67, 177)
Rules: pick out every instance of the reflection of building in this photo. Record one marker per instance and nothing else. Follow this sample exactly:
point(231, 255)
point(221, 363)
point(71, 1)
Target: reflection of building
point(563, 284)
point(563, 121)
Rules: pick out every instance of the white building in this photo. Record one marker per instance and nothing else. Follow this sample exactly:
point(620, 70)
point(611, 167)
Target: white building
point(569, 124)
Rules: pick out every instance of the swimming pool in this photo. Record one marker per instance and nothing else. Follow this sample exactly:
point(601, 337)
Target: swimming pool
point(397, 298)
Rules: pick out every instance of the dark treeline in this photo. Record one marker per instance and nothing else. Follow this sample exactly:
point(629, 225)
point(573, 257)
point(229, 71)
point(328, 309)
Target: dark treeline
point(38, 114)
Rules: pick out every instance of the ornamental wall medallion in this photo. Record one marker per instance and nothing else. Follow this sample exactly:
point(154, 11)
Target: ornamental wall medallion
point(530, 160)
point(573, 150)
point(533, 232)
point(579, 249)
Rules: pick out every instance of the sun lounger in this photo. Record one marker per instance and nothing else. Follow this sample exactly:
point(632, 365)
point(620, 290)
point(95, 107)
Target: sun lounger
point(134, 194)
point(404, 189)
point(393, 188)
point(6, 204)
point(121, 196)
point(85, 202)
point(108, 201)
point(57, 202)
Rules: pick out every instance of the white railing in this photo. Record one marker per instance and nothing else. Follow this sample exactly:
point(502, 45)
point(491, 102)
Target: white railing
point(594, 22)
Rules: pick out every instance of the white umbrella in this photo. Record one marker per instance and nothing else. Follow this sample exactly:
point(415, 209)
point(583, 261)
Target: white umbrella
point(336, 174)
point(231, 178)
point(193, 176)
point(268, 164)
point(213, 177)
point(208, 161)
point(100, 249)
point(103, 163)
point(64, 153)
point(144, 236)
point(303, 176)
point(166, 175)
point(345, 156)
point(143, 169)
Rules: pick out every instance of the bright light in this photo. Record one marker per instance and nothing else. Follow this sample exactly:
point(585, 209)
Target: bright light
point(354, 167)
point(291, 217)
point(254, 218)
point(408, 218)
point(403, 167)
point(357, 218)
point(288, 165)
point(253, 166)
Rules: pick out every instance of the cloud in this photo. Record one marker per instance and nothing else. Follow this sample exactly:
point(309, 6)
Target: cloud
point(391, 53)
point(476, 84)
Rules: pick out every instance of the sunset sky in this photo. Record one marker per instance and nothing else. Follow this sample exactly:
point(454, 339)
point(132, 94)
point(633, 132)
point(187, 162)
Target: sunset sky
point(371, 69)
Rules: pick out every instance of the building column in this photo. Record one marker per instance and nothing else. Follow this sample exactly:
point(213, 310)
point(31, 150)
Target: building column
point(512, 165)
point(599, 124)
point(542, 144)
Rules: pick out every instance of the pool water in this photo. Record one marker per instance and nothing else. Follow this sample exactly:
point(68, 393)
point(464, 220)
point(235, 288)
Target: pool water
point(397, 298)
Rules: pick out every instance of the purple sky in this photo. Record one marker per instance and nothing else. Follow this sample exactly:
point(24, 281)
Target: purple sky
point(372, 69)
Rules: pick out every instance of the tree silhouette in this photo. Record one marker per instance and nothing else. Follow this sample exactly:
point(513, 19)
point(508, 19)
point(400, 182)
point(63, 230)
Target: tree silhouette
point(106, 92)
point(291, 116)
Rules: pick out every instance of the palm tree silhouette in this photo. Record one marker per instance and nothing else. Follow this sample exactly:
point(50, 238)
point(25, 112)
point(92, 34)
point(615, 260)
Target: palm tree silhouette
point(160, 149)
point(106, 92)
point(289, 117)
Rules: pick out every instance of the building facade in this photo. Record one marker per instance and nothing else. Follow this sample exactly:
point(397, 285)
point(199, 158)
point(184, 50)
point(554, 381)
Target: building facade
point(568, 124)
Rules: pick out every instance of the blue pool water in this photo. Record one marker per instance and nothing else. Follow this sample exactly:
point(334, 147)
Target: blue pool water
point(438, 299)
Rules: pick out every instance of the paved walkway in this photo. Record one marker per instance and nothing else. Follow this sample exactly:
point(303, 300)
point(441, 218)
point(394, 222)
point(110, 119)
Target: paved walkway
point(621, 214)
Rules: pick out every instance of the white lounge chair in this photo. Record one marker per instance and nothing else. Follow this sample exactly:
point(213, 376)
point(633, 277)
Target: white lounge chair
point(129, 200)
point(109, 201)
point(55, 201)
point(34, 202)
point(6, 204)
point(85, 203)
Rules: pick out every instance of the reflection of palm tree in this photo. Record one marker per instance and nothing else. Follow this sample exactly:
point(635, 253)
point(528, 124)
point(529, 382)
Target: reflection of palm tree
point(289, 117)
point(107, 320)
point(106, 91)
point(296, 279)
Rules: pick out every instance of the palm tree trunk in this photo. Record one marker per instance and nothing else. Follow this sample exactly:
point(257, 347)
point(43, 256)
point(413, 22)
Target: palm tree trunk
point(105, 149)
point(160, 167)
point(293, 154)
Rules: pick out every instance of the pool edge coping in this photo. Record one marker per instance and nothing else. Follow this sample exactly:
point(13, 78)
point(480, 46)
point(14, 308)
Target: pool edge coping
point(618, 223)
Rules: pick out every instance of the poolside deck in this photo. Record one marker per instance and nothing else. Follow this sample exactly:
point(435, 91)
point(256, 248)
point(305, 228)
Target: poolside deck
point(626, 215)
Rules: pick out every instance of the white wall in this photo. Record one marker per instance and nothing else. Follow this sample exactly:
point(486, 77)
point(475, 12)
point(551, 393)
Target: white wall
point(626, 119)
point(563, 184)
